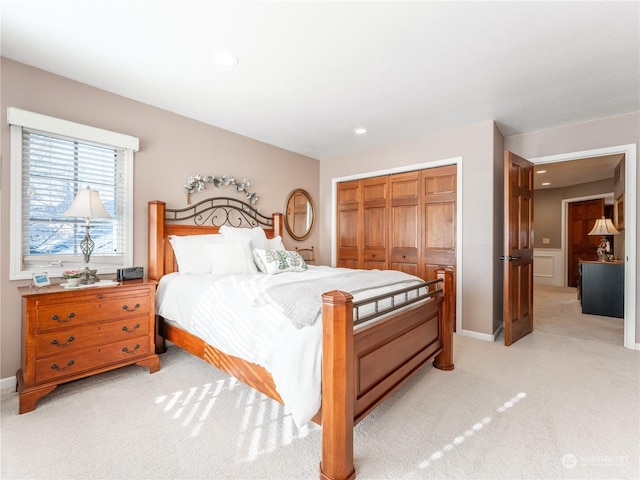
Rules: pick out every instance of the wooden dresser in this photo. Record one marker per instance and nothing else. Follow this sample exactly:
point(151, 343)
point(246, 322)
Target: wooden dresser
point(74, 333)
point(602, 288)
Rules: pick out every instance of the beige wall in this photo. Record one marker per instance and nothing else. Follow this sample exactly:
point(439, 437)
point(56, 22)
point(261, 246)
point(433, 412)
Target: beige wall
point(476, 145)
point(172, 148)
point(498, 226)
point(602, 133)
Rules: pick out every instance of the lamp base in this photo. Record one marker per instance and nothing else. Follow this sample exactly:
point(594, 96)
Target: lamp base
point(88, 276)
point(604, 251)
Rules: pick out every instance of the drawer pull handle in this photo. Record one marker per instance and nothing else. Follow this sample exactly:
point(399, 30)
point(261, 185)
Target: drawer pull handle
point(56, 318)
point(126, 350)
point(373, 255)
point(56, 367)
point(404, 256)
point(126, 307)
point(101, 296)
point(135, 327)
point(69, 340)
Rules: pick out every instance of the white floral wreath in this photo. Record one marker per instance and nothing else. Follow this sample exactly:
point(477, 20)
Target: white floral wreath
point(197, 183)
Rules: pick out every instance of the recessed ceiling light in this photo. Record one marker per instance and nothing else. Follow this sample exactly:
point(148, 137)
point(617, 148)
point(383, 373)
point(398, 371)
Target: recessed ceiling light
point(360, 131)
point(546, 183)
point(226, 58)
point(541, 171)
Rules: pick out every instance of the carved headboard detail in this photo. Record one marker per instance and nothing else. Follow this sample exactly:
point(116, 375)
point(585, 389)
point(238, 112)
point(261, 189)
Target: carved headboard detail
point(206, 216)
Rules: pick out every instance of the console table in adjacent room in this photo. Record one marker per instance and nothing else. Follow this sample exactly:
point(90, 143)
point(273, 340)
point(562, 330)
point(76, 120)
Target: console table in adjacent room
point(602, 288)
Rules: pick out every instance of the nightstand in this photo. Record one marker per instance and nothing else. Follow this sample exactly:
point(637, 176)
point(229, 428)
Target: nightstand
point(74, 333)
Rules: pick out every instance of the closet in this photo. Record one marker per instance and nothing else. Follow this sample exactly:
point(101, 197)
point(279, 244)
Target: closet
point(404, 221)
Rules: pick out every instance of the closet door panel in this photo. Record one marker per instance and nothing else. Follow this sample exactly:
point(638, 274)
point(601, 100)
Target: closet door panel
point(375, 222)
point(404, 247)
point(439, 233)
point(439, 216)
point(349, 225)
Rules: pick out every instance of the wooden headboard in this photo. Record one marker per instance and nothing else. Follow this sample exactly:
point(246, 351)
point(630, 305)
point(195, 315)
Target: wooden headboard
point(204, 217)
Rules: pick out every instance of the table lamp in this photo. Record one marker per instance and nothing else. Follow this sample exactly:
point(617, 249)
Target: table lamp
point(604, 227)
point(87, 205)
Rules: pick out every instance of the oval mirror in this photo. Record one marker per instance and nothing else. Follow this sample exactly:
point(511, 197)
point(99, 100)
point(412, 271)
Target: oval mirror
point(299, 214)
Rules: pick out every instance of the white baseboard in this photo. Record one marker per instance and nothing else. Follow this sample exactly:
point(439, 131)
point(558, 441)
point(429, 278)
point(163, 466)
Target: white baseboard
point(480, 336)
point(8, 384)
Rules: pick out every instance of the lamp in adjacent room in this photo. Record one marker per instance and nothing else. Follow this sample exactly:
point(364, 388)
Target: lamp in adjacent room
point(604, 227)
point(87, 205)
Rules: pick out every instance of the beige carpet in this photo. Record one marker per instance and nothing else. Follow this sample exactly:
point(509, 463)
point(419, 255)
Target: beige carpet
point(562, 403)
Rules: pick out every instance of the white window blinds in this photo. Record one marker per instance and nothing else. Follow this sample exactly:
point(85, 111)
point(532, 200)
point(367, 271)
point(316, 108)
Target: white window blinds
point(54, 169)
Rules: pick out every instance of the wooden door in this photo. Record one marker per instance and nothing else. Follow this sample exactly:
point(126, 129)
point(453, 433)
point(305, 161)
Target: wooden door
point(349, 200)
point(375, 226)
point(404, 218)
point(581, 217)
point(518, 248)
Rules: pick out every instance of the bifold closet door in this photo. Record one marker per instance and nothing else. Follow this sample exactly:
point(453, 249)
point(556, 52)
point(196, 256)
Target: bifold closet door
point(349, 224)
point(375, 231)
point(404, 218)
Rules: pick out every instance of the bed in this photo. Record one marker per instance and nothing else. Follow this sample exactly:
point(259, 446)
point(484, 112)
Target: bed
point(370, 340)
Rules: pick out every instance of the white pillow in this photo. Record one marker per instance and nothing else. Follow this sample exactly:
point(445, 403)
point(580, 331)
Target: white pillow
point(275, 243)
point(278, 261)
point(229, 258)
point(190, 251)
point(256, 235)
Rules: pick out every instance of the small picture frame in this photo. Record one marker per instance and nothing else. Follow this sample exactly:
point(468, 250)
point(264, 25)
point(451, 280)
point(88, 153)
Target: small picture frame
point(41, 279)
point(618, 212)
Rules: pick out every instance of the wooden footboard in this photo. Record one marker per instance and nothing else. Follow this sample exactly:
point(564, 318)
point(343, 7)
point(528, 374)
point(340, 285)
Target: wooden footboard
point(361, 367)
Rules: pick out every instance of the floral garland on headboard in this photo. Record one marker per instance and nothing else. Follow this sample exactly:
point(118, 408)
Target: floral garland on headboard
point(196, 183)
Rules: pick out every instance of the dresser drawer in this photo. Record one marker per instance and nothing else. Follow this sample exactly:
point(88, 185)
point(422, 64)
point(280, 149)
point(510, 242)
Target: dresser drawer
point(74, 338)
point(71, 363)
point(51, 317)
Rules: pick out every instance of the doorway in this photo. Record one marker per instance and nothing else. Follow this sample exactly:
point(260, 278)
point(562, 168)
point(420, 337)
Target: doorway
point(630, 209)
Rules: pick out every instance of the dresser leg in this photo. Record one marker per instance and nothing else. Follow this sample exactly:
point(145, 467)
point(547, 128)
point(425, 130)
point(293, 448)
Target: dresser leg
point(152, 362)
point(29, 396)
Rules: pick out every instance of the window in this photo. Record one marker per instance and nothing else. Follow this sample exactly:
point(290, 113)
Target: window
point(51, 160)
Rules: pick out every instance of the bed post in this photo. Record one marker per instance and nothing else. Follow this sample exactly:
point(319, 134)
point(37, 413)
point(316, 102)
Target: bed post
point(337, 387)
point(444, 360)
point(277, 224)
point(156, 239)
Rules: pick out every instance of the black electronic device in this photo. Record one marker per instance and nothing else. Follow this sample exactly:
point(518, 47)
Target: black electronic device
point(131, 273)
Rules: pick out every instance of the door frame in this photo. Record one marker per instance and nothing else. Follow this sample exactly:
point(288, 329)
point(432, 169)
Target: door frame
point(630, 152)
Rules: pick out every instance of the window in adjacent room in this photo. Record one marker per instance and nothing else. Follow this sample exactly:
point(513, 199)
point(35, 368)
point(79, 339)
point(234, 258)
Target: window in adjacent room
point(51, 160)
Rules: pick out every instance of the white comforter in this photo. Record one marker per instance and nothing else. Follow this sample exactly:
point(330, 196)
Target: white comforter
point(230, 313)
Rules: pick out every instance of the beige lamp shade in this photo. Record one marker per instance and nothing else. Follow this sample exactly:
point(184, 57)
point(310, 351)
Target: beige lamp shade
point(603, 226)
point(87, 204)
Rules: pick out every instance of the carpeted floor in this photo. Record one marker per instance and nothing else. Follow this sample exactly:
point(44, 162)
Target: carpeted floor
point(564, 402)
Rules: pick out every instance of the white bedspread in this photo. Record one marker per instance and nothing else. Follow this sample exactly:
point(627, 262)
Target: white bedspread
point(229, 313)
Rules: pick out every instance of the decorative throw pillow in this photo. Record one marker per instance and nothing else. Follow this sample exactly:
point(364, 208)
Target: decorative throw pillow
point(256, 235)
point(190, 252)
point(228, 258)
point(278, 261)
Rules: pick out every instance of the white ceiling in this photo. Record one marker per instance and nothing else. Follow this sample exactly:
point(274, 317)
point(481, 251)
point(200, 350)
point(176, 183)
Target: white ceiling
point(575, 172)
point(310, 72)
